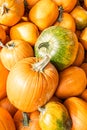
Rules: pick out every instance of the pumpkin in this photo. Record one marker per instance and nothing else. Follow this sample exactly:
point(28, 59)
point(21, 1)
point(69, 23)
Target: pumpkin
point(31, 3)
point(80, 16)
point(31, 78)
point(80, 55)
point(84, 95)
point(26, 31)
point(6, 121)
point(3, 78)
point(77, 109)
point(27, 121)
point(72, 82)
point(68, 5)
point(54, 116)
point(66, 20)
point(5, 103)
point(60, 44)
point(83, 38)
point(13, 51)
point(44, 13)
point(11, 11)
point(2, 34)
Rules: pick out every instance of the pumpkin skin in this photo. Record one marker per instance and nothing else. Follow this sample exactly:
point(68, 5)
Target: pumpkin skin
point(84, 95)
point(32, 83)
point(72, 82)
point(80, 16)
point(11, 11)
point(32, 121)
point(3, 78)
point(6, 121)
point(44, 13)
point(60, 44)
point(78, 111)
point(5, 103)
point(15, 50)
point(54, 116)
point(2, 34)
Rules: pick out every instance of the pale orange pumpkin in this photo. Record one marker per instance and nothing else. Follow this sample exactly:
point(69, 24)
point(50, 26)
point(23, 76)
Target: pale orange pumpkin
point(77, 109)
point(31, 83)
point(13, 51)
point(6, 121)
point(11, 11)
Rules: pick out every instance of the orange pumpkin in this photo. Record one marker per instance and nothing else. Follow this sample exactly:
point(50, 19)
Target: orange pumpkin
point(44, 13)
point(84, 67)
point(67, 5)
point(85, 3)
point(31, 78)
point(31, 3)
point(27, 121)
point(83, 38)
point(66, 21)
point(5, 103)
point(11, 11)
point(2, 34)
point(6, 121)
point(3, 78)
point(26, 31)
point(72, 82)
point(84, 95)
point(80, 55)
point(78, 111)
point(13, 51)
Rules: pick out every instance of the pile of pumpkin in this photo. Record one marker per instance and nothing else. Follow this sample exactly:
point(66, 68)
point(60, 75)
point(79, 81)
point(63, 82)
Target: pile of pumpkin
point(43, 64)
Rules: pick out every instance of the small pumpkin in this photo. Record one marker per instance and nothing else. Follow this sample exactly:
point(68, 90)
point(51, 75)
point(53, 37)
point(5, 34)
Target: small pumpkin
point(77, 109)
point(26, 31)
point(31, 78)
point(72, 82)
point(84, 95)
point(11, 11)
point(27, 121)
point(31, 3)
point(54, 116)
point(60, 44)
point(2, 34)
point(6, 104)
point(13, 51)
point(6, 121)
point(44, 13)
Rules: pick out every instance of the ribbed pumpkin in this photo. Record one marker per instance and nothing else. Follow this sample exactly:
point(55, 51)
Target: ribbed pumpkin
point(54, 116)
point(60, 44)
point(31, 83)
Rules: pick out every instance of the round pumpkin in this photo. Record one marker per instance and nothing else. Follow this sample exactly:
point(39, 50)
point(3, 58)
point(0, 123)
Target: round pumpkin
point(72, 82)
point(11, 11)
point(28, 83)
point(13, 51)
point(27, 121)
point(54, 116)
point(60, 44)
point(6, 121)
point(77, 109)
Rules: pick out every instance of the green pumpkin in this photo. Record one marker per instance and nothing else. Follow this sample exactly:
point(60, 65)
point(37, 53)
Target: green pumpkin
point(54, 116)
point(60, 44)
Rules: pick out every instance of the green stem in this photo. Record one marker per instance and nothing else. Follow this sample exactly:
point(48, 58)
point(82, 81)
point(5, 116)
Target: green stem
point(25, 119)
point(44, 44)
point(60, 13)
point(39, 66)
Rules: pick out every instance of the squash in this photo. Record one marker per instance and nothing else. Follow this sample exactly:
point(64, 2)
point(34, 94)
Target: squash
point(27, 121)
point(6, 121)
point(11, 11)
point(77, 109)
point(13, 51)
point(28, 83)
point(60, 44)
point(72, 82)
point(54, 116)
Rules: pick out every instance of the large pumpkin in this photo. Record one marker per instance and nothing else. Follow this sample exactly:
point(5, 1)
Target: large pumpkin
point(11, 11)
point(31, 83)
point(60, 44)
point(6, 121)
point(54, 116)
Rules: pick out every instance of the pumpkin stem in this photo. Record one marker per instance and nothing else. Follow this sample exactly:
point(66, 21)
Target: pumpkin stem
point(39, 66)
point(4, 9)
point(2, 45)
point(41, 109)
point(60, 13)
point(10, 45)
point(43, 44)
point(25, 119)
